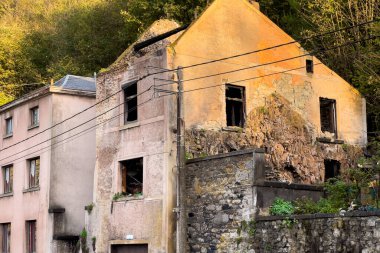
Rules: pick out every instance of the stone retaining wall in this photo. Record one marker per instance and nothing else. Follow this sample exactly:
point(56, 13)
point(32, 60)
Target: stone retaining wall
point(358, 232)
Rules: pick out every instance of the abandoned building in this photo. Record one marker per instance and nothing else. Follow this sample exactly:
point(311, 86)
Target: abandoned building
point(307, 123)
point(46, 177)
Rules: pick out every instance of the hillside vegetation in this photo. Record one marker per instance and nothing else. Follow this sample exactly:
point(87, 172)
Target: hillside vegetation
point(42, 40)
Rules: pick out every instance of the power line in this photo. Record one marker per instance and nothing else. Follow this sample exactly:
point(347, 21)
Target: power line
point(265, 49)
point(199, 64)
point(77, 126)
point(282, 60)
point(72, 136)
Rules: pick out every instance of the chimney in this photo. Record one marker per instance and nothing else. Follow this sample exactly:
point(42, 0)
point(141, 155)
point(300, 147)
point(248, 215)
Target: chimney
point(255, 4)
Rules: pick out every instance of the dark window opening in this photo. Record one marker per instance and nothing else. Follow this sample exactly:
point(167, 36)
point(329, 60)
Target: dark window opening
point(332, 169)
point(309, 66)
point(328, 115)
point(132, 176)
point(130, 103)
point(5, 237)
point(130, 248)
point(31, 236)
point(235, 105)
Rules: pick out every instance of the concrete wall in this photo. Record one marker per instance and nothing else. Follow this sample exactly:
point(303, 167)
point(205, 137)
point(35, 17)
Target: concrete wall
point(226, 29)
point(24, 205)
point(72, 161)
point(148, 218)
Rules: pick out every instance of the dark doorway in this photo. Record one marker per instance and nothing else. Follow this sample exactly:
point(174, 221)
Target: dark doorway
point(332, 169)
point(131, 248)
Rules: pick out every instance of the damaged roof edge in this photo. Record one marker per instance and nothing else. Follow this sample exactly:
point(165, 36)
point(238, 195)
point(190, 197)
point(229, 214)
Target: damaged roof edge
point(157, 38)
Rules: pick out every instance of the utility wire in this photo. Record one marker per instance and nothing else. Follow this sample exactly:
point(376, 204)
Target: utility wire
point(265, 49)
point(282, 60)
point(77, 126)
point(199, 64)
point(72, 136)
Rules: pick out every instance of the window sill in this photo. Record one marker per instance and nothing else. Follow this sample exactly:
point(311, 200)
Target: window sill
point(129, 125)
point(234, 129)
point(8, 136)
point(129, 198)
point(5, 195)
point(329, 141)
point(33, 189)
point(33, 126)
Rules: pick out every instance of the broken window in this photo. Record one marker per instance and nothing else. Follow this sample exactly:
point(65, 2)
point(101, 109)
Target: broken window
point(235, 105)
point(5, 230)
point(332, 169)
point(34, 172)
point(130, 103)
point(328, 115)
point(132, 176)
point(34, 116)
point(31, 237)
point(8, 126)
point(8, 179)
point(309, 66)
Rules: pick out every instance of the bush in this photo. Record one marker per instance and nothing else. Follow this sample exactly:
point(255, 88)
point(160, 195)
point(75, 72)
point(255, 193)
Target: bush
point(281, 207)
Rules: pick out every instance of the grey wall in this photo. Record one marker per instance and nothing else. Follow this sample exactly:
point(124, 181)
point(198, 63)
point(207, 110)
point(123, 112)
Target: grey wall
point(72, 162)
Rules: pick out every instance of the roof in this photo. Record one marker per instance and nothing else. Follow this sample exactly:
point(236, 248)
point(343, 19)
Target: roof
point(71, 82)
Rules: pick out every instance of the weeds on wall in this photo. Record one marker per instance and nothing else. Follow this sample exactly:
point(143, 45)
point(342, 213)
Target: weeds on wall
point(83, 241)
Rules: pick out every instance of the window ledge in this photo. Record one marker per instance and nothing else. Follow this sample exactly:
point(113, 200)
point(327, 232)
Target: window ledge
point(329, 141)
point(33, 126)
point(129, 198)
point(33, 189)
point(233, 129)
point(129, 125)
point(8, 136)
point(5, 195)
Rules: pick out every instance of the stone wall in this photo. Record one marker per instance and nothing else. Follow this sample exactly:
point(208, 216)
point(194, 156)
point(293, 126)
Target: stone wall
point(354, 233)
point(292, 152)
point(219, 197)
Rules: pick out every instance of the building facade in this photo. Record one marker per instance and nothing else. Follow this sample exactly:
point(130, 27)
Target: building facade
point(310, 122)
point(46, 168)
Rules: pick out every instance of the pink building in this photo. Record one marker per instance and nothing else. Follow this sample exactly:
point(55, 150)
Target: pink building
point(46, 171)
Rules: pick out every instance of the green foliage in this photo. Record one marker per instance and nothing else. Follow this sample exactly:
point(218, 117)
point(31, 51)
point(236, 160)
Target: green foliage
point(281, 207)
point(289, 223)
point(117, 196)
point(90, 207)
point(308, 206)
point(83, 241)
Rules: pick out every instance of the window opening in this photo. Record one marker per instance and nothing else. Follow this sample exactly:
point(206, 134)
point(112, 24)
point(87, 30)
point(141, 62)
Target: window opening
point(130, 103)
point(235, 105)
point(132, 176)
point(34, 172)
point(328, 115)
point(6, 238)
point(8, 126)
point(34, 116)
point(309, 66)
point(8, 179)
point(332, 169)
point(31, 236)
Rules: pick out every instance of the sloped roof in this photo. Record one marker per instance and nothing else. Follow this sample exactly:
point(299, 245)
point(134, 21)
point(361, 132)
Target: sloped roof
point(71, 82)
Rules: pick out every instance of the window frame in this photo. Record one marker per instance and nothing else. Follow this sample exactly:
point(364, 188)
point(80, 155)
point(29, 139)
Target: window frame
point(32, 116)
point(6, 235)
point(333, 117)
point(31, 236)
point(241, 100)
point(7, 132)
point(7, 187)
point(128, 100)
point(124, 176)
point(36, 172)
